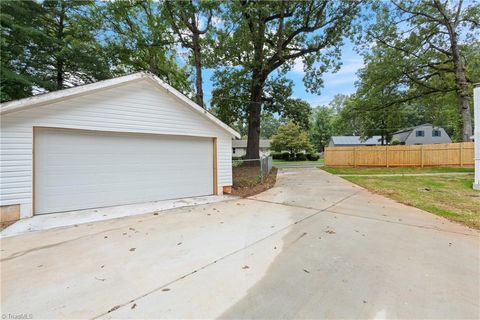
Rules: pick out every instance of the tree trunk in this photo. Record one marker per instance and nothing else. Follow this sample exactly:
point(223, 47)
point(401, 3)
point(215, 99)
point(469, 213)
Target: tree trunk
point(197, 56)
point(462, 93)
point(254, 111)
point(59, 60)
point(259, 76)
point(460, 79)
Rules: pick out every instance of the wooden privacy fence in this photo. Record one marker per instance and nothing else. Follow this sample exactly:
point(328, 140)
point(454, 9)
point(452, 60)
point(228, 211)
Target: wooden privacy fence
point(427, 155)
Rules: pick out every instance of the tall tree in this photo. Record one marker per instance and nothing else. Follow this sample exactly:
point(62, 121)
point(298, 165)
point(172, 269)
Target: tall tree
point(49, 46)
point(269, 125)
point(321, 127)
point(191, 20)
point(230, 100)
point(139, 38)
point(428, 38)
point(73, 56)
point(264, 37)
point(20, 23)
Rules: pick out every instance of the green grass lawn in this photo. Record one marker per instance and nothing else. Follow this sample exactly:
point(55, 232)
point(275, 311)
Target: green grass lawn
point(451, 197)
point(394, 170)
point(283, 162)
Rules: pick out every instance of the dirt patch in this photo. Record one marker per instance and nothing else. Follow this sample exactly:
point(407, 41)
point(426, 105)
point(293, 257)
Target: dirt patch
point(247, 181)
point(4, 225)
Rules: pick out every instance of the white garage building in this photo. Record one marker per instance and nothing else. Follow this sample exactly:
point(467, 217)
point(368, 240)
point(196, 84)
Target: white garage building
point(126, 140)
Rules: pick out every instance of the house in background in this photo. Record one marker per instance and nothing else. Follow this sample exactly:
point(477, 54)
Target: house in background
point(422, 134)
point(352, 141)
point(239, 148)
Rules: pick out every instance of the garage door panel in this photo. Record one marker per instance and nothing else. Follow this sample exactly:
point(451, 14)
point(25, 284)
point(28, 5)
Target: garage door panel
point(81, 169)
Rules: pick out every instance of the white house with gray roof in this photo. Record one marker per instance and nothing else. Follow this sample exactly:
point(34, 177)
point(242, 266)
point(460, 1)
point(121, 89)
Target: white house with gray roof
point(422, 134)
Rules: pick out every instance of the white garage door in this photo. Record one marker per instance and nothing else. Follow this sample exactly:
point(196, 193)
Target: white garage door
point(76, 169)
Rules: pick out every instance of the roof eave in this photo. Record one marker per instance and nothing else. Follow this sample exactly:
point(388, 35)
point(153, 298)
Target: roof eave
point(52, 97)
point(56, 96)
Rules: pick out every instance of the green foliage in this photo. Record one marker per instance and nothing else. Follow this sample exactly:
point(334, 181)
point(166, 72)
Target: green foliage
point(287, 156)
point(312, 156)
point(276, 155)
point(262, 40)
point(322, 127)
point(49, 45)
point(73, 54)
point(422, 52)
point(395, 142)
point(139, 38)
point(297, 111)
point(20, 24)
point(192, 23)
point(231, 99)
point(268, 125)
point(292, 138)
point(301, 157)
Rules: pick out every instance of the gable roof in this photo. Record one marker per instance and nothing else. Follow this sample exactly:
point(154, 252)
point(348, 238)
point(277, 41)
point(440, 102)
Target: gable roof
point(264, 143)
point(56, 96)
point(355, 140)
point(412, 128)
point(403, 134)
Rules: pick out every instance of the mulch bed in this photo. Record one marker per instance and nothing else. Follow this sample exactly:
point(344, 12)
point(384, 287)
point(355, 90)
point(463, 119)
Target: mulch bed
point(246, 181)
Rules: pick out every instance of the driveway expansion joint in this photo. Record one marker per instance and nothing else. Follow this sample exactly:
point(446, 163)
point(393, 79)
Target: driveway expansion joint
point(404, 224)
point(227, 255)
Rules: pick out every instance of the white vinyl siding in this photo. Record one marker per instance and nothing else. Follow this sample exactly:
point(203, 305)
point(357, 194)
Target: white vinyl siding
point(140, 107)
point(428, 137)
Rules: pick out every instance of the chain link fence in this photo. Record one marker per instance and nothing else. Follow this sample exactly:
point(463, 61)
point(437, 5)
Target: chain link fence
point(248, 172)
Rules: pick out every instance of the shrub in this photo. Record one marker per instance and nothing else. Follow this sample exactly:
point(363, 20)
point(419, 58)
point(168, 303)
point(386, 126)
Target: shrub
point(301, 157)
point(276, 155)
point(313, 156)
point(238, 158)
point(396, 142)
point(286, 156)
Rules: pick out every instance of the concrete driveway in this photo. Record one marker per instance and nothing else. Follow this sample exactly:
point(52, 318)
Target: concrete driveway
point(314, 246)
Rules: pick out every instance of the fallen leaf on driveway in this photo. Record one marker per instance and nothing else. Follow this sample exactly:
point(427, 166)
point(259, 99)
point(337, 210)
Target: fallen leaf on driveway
point(113, 309)
point(165, 289)
point(179, 243)
point(132, 249)
point(133, 306)
point(330, 232)
point(305, 270)
point(246, 267)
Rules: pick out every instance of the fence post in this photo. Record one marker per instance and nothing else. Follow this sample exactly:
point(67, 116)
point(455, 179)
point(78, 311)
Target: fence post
point(386, 155)
point(421, 154)
point(461, 154)
point(354, 157)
